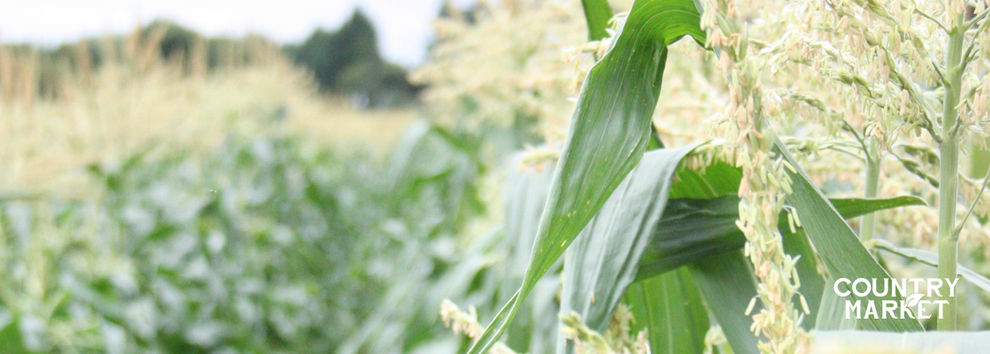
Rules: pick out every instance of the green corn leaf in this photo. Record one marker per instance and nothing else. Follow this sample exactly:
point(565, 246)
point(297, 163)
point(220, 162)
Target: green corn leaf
point(672, 311)
point(693, 228)
point(853, 207)
point(719, 180)
point(526, 190)
point(727, 284)
point(930, 258)
point(725, 281)
point(597, 268)
point(603, 260)
point(842, 252)
point(669, 307)
point(609, 133)
point(525, 196)
point(597, 13)
point(830, 312)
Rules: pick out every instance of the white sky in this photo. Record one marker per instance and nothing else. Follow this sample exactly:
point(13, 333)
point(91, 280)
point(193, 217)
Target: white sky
point(403, 26)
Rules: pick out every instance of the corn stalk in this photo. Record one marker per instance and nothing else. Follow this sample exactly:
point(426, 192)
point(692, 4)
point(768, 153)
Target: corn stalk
point(948, 242)
point(868, 225)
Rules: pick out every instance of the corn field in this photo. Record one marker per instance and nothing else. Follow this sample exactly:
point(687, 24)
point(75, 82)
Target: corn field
point(594, 176)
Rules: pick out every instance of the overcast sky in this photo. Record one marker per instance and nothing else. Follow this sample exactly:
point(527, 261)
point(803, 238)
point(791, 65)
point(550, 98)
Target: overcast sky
point(403, 25)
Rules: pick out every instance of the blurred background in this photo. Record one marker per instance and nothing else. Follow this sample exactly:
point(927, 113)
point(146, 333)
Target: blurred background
point(302, 176)
point(261, 177)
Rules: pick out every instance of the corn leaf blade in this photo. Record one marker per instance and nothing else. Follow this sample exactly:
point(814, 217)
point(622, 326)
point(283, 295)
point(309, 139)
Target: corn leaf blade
point(526, 189)
point(830, 312)
point(597, 13)
point(609, 132)
point(672, 311)
point(725, 281)
point(727, 284)
point(604, 258)
point(842, 252)
point(930, 258)
point(694, 228)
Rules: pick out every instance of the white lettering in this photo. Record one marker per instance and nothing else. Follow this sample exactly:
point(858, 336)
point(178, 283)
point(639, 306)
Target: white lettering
point(952, 286)
point(940, 303)
point(850, 306)
point(871, 307)
point(864, 292)
point(889, 306)
point(933, 286)
point(836, 287)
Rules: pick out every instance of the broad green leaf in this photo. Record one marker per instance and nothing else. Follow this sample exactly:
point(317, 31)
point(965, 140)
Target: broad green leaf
point(694, 228)
point(812, 281)
point(670, 308)
point(526, 190)
point(852, 207)
point(597, 13)
point(842, 252)
point(866, 342)
point(525, 196)
point(718, 180)
point(690, 230)
point(609, 133)
point(831, 314)
point(930, 258)
point(603, 260)
point(726, 282)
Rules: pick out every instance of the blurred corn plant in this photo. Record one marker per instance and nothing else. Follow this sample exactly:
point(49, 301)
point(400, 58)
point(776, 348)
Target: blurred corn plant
point(265, 245)
point(530, 54)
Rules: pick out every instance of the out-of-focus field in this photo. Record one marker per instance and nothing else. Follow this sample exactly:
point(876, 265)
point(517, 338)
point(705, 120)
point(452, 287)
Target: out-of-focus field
point(148, 207)
point(119, 110)
point(235, 197)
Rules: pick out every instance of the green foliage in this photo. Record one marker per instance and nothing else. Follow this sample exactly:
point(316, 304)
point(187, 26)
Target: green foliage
point(609, 134)
point(328, 54)
point(266, 245)
point(525, 194)
point(597, 14)
point(725, 280)
point(691, 229)
point(841, 251)
point(930, 258)
point(672, 311)
point(604, 258)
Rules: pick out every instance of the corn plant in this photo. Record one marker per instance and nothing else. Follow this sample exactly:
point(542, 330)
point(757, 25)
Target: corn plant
point(732, 230)
point(264, 245)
